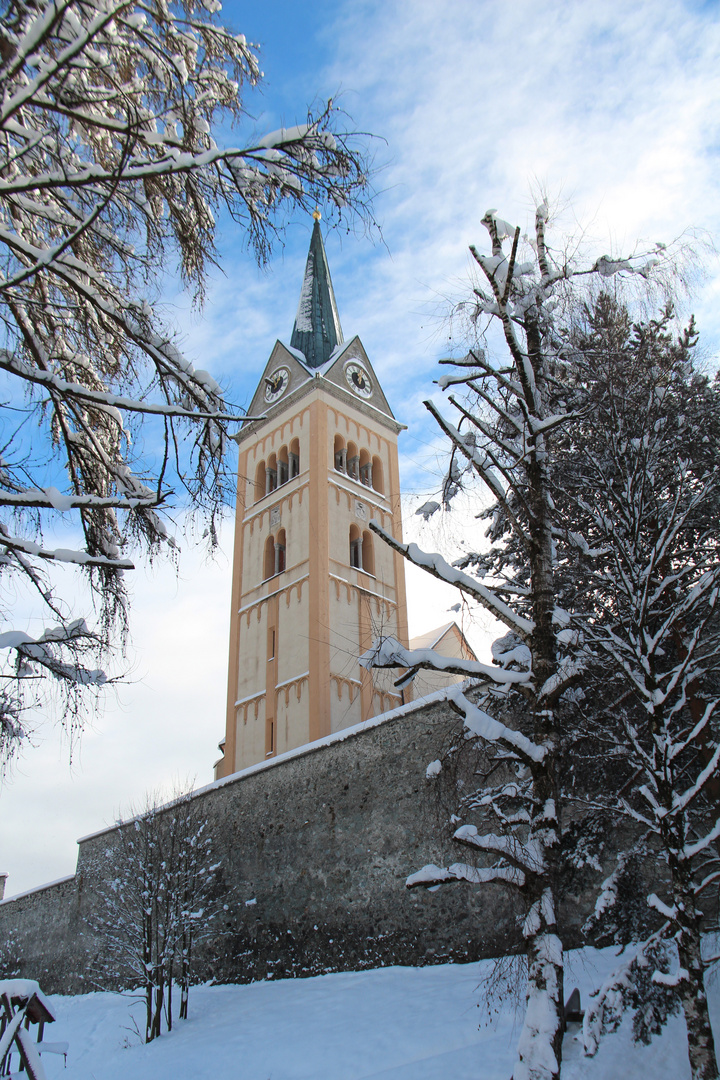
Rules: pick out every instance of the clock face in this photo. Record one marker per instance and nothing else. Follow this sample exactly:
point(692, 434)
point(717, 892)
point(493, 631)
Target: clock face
point(276, 384)
point(358, 380)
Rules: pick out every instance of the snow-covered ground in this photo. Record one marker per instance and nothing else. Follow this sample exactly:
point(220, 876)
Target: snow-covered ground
point(393, 1023)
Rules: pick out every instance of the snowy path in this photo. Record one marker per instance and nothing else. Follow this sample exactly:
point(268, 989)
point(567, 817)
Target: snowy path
point(390, 1024)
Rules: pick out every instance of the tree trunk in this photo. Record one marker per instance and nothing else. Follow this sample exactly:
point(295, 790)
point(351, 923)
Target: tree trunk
point(185, 975)
point(701, 1045)
point(540, 1044)
point(155, 1030)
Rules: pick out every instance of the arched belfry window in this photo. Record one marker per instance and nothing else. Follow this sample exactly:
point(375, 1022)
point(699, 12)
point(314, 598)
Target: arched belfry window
point(260, 481)
point(271, 476)
point(274, 559)
point(377, 475)
point(356, 552)
point(340, 454)
point(353, 461)
point(269, 558)
point(365, 469)
point(362, 551)
point(368, 553)
point(280, 552)
point(283, 467)
point(294, 458)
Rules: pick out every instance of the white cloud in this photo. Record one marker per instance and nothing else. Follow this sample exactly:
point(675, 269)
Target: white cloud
point(163, 725)
point(613, 107)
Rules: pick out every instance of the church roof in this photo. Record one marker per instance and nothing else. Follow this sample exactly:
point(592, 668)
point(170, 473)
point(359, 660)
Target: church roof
point(317, 331)
point(441, 637)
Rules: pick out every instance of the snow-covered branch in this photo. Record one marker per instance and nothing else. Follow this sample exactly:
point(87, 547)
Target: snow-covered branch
point(439, 875)
point(437, 566)
point(63, 555)
point(480, 723)
point(113, 172)
point(387, 652)
point(508, 847)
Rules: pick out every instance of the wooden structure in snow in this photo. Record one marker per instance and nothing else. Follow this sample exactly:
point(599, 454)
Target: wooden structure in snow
point(22, 1003)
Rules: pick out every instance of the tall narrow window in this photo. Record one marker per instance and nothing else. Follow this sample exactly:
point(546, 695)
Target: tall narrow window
point(294, 456)
point(353, 461)
point(269, 560)
point(280, 552)
point(260, 481)
point(356, 548)
point(283, 466)
point(377, 474)
point(271, 475)
point(269, 737)
point(271, 643)
point(365, 469)
point(340, 454)
point(368, 553)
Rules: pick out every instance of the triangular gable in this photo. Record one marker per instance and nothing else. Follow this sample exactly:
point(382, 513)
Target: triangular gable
point(335, 371)
point(447, 640)
point(281, 357)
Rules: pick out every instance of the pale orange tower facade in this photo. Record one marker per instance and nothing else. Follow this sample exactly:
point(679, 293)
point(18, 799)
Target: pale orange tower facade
point(312, 585)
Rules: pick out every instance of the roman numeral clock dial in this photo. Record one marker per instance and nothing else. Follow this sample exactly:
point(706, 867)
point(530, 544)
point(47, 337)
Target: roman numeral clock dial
point(276, 385)
point(358, 380)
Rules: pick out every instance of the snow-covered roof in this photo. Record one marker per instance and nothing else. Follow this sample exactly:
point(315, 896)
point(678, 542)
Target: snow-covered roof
point(22, 991)
point(432, 638)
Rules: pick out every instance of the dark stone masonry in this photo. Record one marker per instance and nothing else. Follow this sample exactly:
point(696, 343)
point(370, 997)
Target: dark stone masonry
point(322, 839)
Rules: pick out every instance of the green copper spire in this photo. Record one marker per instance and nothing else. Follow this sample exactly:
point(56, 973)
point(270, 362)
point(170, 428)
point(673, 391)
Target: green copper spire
point(317, 327)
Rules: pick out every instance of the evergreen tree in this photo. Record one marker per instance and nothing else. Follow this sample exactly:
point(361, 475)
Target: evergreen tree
point(514, 423)
point(638, 494)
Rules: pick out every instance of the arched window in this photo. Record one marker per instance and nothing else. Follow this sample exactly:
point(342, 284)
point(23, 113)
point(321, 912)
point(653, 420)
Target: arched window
point(283, 472)
point(340, 454)
point(353, 461)
point(368, 553)
point(294, 458)
point(260, 481)
point(274, 558)
point(365, 468)
point(271, 474)
point(280, 552)
point(356, 545)
point(377, 474)
point(269, 560)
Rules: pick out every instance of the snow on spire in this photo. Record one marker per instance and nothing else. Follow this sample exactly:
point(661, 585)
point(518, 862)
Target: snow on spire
point(317, 329)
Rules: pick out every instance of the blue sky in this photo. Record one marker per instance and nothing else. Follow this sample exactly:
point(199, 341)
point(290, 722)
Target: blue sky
point(612, 108)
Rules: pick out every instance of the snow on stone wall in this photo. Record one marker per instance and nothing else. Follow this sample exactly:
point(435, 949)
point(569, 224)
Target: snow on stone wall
point(322, 841)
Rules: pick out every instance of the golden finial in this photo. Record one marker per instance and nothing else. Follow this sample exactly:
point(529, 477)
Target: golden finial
point(316, 213)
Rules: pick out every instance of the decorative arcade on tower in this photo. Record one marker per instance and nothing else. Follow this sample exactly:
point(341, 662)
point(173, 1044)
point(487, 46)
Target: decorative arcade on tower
point(312, 585)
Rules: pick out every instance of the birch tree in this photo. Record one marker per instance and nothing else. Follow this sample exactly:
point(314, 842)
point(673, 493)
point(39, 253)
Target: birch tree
point(111, 170)
point(504, 430)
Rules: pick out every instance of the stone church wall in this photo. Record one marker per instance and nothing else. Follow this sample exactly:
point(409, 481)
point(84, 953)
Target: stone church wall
point(322, 840)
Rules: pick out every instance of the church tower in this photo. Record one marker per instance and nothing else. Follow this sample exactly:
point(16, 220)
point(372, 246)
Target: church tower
point(312, 585)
